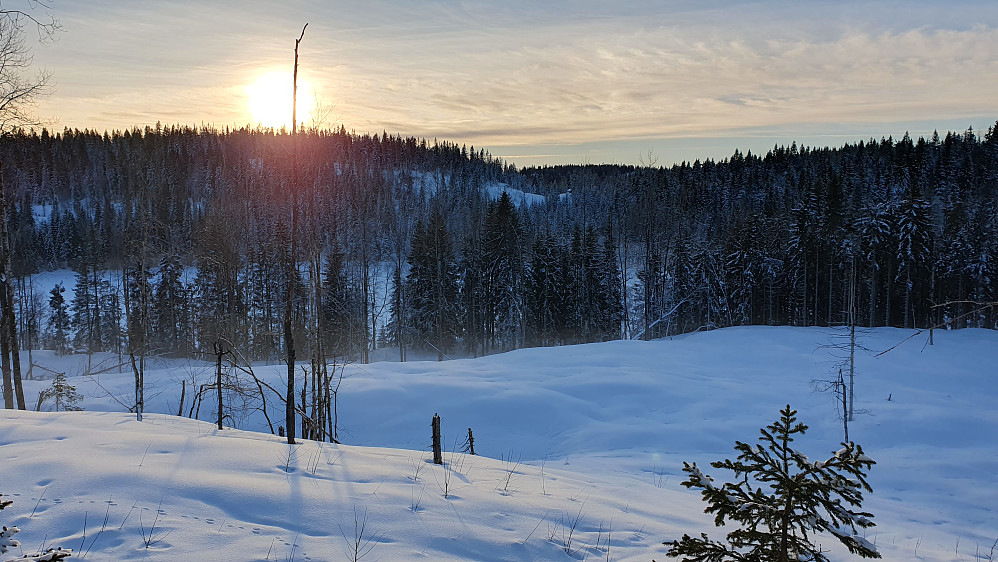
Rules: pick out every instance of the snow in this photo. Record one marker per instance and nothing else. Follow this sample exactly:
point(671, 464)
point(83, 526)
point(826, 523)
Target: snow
point(592, 435)
point(518, 197)
point(429, 183)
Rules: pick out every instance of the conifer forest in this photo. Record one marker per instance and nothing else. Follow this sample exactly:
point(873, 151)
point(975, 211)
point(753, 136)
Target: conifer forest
point(181, 237)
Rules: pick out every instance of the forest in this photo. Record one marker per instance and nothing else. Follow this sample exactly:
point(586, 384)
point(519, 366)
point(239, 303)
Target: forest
point(183, 237)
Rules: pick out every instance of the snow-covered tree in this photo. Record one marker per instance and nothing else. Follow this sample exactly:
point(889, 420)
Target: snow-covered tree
point(779, 499)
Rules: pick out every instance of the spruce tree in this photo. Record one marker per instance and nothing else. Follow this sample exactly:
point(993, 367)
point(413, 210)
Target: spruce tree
point(168, 304)
point(433, 287)
point(547, 292)
point(504, 275)
point(65, 395)
point(59, 321)
point(609, 309)
point(86, 326)
point(342, 306)
point(779, 499)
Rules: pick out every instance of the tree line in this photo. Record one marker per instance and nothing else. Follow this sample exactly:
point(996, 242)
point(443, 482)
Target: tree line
point(179, 237)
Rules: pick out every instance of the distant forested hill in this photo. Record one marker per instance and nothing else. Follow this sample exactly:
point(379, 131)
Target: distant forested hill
point(181, 236)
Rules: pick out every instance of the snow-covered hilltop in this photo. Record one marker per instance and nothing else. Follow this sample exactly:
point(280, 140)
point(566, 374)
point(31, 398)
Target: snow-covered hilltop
point(581, 450)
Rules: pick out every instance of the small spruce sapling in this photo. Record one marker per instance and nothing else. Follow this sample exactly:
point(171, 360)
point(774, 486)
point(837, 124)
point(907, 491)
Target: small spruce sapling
point(65, 395)
point(779, 499)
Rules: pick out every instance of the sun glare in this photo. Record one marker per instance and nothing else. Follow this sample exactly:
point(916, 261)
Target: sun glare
point(269, 100)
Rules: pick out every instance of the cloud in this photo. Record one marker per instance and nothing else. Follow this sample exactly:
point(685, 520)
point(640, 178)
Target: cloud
point(528, 73)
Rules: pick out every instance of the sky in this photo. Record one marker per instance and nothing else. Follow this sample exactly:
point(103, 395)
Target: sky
point(536, 83)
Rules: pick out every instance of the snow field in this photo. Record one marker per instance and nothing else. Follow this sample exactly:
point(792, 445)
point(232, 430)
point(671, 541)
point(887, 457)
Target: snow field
point(595, 433)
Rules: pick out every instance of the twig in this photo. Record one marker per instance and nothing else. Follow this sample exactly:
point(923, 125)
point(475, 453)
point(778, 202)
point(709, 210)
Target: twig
point(42, 495)
point(103, 526)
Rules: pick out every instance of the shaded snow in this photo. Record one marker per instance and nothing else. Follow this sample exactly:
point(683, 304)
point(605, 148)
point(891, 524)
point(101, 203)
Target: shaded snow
point(607, 425)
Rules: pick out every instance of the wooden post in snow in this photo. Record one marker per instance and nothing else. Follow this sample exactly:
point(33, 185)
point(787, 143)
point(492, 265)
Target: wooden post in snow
point(438, 456)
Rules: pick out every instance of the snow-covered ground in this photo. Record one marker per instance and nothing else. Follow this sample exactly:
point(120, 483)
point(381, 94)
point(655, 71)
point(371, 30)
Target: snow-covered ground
point(580, 447)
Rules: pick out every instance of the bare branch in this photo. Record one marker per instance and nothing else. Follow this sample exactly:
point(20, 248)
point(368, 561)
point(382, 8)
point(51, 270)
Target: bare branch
point(18, 91)
point(980, 306)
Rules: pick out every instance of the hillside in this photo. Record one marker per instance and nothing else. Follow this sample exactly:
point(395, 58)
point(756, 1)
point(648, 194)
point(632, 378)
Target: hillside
point(595, 433)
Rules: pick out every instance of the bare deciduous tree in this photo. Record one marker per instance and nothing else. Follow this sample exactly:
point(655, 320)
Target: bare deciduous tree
point(18, 92)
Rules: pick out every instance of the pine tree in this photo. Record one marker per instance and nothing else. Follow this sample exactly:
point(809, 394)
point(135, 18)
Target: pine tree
point(474, 295)
point(779, 499)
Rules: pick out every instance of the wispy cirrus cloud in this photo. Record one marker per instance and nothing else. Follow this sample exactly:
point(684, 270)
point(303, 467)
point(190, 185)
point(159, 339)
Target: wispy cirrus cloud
point(537, 74)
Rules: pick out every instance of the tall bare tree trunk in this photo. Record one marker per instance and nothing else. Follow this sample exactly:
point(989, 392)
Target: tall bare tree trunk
point(289, 340)
point(11, 364)
point(852, 338)
point(8, 384)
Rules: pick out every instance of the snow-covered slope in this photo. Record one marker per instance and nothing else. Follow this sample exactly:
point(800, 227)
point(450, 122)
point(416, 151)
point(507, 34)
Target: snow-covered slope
point(596, 433)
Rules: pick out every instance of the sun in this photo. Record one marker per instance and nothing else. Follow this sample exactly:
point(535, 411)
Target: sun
point(269, 100)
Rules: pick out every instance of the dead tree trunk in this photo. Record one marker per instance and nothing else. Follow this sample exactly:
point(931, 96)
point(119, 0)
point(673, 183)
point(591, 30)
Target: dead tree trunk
point(852, 338)
point(289, 342)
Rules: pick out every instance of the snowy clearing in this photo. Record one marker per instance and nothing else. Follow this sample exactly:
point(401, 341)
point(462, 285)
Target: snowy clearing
point(581, 450)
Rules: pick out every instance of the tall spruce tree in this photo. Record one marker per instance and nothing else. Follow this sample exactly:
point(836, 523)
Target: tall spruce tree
point(546, 292)
point(503, 272)
point(433, 285)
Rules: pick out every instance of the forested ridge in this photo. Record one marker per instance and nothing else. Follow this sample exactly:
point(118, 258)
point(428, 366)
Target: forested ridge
point(180, 237)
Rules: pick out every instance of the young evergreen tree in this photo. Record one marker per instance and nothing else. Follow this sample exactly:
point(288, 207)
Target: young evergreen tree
point(779, 499)
point(64, 394)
